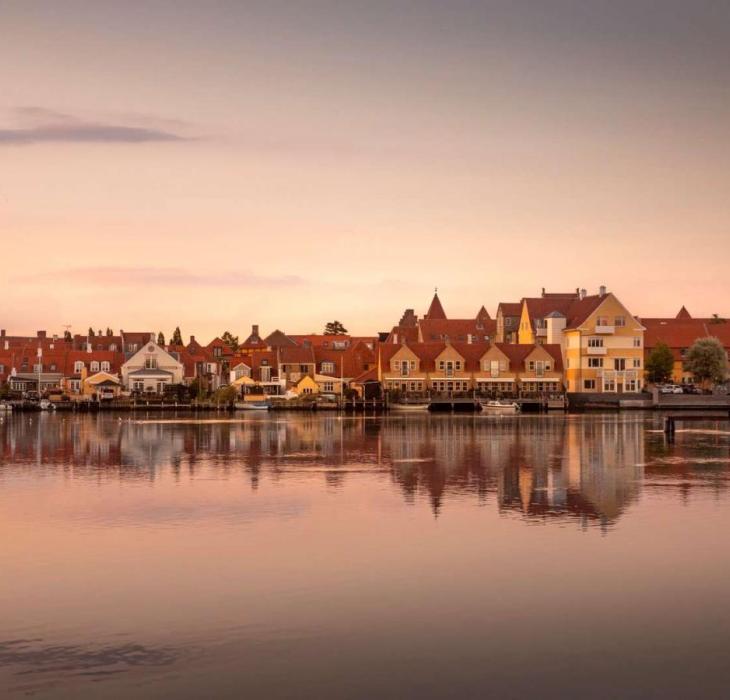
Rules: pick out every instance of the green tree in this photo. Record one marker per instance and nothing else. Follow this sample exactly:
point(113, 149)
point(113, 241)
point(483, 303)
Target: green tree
point(335, 328)
point(109, 332)
point(176, 337)
point(90, 332)
point(160, 338)
point(659, 364)
point(230, 340)
point(706, 360)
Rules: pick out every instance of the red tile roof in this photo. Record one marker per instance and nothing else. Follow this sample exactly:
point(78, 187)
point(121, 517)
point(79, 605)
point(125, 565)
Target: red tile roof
point(435, 311)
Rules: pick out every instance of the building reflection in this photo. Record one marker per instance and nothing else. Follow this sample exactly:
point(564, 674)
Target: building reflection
point(542, 468)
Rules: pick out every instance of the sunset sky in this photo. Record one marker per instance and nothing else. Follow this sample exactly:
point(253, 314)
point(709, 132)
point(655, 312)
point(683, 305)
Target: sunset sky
point(217, 164)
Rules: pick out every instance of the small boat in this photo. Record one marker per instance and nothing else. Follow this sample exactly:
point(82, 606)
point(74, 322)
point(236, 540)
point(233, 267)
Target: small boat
point(46, 405)
point(252, 405)
point(502, 408)
point(410, 407)
point(5, 406)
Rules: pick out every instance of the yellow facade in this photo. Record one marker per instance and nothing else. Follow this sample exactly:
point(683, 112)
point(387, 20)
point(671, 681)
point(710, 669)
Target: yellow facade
point(606, 352)
point(525, 335)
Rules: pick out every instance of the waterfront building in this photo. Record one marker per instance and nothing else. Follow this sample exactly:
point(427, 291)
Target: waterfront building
point(151, 369)
point(508, 321)
point(679, 333)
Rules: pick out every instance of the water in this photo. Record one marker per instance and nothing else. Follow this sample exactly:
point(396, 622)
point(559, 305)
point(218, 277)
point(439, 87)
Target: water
point(324, 557)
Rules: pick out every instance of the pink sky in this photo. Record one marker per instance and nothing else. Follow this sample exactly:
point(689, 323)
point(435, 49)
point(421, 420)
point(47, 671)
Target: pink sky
point(177, 165)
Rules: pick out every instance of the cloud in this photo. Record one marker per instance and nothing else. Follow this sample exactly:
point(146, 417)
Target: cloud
point(41, 125)
point(160, 276)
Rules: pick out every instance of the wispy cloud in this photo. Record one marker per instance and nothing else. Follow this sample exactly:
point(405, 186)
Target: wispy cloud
point(40, 125)
point(122, 276)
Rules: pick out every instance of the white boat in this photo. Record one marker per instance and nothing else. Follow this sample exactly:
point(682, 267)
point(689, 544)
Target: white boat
point(46, 405)
point(252, 405)
point(6, 407)
point(410, 407)
point(502, 408)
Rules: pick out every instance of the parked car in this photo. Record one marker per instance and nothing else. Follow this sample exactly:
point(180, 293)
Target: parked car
point(690, 389)
point(670, 389)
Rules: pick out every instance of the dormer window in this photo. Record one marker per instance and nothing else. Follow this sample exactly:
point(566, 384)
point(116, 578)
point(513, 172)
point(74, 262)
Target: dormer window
point(105, 366)
point(94, 367)
point(78, 367)
point(328, 367)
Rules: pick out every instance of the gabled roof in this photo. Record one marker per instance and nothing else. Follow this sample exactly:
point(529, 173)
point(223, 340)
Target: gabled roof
point(483, 315)
point(279, 339)
point(509, 308)
point(435, 311)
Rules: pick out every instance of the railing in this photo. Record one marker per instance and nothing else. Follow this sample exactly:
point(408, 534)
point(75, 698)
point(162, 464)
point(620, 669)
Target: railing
point(605, 328)
point(592, 350)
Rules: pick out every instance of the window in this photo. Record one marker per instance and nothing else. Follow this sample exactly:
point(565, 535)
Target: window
point(132, 347)
point(595, 362)
point(105, 366)
point(2, 369)
point(150, 363)
point(595, 342)
point(589, 384)
point(78, 367)
point(217, 351)
point(328, 367)
point(329, 387)
point(567, 363)
point(457, 365)
point(637, 362)
point(637, 342)
point(94, 367)
point(609, 384)
point(619, 321)
point(602, 321)
point(37, 368)
point(619, 363)
point(113, 347)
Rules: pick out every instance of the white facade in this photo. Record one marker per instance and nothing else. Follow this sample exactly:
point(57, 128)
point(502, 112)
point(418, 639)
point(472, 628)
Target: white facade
point(150, 369)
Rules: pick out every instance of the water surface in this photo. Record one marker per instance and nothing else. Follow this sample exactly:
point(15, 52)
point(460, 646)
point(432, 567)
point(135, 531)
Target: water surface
point(318, 556)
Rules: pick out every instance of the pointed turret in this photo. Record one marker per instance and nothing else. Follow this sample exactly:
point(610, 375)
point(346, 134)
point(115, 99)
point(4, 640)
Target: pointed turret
point(684, 314)
point(483, 315)
point(435, 311)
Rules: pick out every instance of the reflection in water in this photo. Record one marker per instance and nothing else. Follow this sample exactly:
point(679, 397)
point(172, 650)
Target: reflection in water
point(540, 467)
point(326, 556)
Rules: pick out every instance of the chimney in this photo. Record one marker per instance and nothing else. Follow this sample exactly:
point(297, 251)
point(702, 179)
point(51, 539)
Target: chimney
point(255, 329)
point(583, 293)
point(2, 332)
point(41, 334)
point(543, 291)
point(602, 290)
point(192, 338)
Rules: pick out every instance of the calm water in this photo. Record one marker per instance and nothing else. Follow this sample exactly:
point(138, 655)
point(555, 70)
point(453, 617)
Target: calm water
point(321, 557)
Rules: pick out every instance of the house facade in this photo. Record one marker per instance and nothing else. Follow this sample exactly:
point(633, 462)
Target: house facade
point(151, 369)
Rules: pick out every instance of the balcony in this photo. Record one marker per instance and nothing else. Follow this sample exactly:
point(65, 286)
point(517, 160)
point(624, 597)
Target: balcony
point(605, 329)
point(595, 351)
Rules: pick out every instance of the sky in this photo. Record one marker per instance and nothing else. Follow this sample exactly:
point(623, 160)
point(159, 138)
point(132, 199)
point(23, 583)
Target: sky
point(217, 164)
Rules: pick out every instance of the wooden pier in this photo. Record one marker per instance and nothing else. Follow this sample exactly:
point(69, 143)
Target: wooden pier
point(670, 422)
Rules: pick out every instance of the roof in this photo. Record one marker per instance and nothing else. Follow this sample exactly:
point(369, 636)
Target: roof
point(510, 308)
point(684, 314)
point(483, 315)
point(575, 309)
point(296, 355)
point(680, 333)
point(144, 372)
point(455, 329)
point(279, 339)
point(435, 311)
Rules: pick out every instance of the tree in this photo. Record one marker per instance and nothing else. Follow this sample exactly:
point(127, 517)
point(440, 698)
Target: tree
point(230, 340)
point(659, 364)
point(706, 360)
point(67, 335)
point(335, 328)
point(176, 337)
point(160, 338)
point(90, 332)
point(109, 332)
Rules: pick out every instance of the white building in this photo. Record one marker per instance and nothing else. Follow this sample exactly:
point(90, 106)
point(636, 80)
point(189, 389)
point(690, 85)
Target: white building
point(150, 369)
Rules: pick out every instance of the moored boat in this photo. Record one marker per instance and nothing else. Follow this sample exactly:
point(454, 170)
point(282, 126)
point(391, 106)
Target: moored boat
point(252, 405)
point(501, 407)
point(409, 407)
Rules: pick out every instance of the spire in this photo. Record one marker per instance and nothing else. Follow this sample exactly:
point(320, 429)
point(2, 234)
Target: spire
point(483, 315)
point(684, 314)
point(435, 311)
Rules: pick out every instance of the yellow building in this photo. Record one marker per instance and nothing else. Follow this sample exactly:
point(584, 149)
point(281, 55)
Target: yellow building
point(602, 343)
